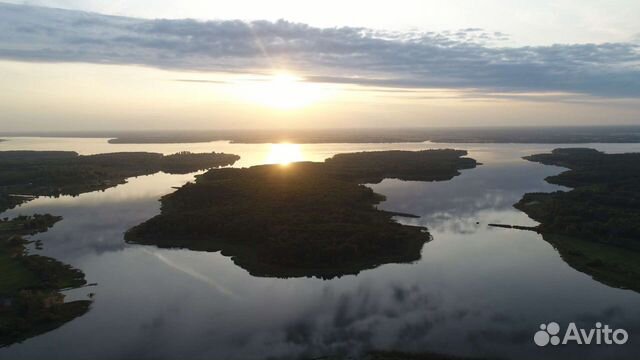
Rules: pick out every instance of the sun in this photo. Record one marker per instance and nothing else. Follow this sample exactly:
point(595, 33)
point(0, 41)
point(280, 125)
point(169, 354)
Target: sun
point(285, 91)
point(281, 90)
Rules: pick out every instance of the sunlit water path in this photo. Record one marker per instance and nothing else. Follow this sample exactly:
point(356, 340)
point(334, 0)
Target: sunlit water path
point(477, 290)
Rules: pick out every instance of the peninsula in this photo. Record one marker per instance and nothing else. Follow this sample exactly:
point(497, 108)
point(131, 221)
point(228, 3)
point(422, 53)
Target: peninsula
point(30, 299)
point(596, 225)
point(28, 174)
point(302, 219)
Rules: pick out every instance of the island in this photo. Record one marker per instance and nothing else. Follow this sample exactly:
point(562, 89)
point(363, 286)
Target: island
point(28, 174)
point(302, 219)
point(30, 299)
point(596, 225)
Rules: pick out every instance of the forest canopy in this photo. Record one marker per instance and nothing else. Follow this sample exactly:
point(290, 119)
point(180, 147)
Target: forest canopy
point(303, 219)
point(595, 226)
point(52, 173)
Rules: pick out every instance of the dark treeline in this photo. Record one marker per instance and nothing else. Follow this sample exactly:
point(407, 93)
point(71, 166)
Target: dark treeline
point(53, 173)
point(596, 225)
point(604, 204)
point(30, 298)
point(520, 134)
point(304, 219)
point(373, 167)
point(30, 285)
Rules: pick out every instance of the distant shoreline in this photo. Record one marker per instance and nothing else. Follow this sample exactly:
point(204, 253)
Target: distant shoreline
point(485, 135)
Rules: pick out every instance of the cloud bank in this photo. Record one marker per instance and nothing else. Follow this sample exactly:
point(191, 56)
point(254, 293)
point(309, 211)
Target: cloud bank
point(468, 59)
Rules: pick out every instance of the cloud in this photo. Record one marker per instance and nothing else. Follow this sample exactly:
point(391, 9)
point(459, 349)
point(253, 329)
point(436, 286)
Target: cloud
point(467, 59)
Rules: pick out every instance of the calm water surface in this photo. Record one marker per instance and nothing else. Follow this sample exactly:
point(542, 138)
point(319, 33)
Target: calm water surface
point(476, 291)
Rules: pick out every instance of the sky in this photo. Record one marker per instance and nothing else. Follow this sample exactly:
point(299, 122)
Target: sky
point(125, 65)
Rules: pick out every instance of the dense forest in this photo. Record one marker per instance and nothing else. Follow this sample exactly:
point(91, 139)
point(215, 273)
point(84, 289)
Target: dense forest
point(596, 225)
point(24, 174)
point(373, 167)
point(30, 298)
point(30, 285)
point(604, 205)
point(304, 219)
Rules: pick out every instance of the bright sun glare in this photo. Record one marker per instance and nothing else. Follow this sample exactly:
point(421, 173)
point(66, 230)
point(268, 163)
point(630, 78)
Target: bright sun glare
point(284, 154)
point(281, 90)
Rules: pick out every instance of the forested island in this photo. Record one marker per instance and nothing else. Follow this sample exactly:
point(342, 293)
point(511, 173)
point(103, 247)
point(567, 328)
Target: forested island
point(596, 225)
point(30, 285)
point(27, 174)
point(302, 219)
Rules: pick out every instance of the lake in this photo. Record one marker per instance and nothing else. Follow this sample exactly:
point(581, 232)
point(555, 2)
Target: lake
point(477, 290)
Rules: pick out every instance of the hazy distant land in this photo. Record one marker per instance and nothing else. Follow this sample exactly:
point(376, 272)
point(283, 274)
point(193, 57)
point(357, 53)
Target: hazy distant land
point(303, 219)
point(595, 226)
point(546, 135)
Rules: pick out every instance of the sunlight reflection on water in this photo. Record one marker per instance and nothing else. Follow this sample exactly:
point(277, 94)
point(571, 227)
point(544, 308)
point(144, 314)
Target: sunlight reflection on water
point(284, 154)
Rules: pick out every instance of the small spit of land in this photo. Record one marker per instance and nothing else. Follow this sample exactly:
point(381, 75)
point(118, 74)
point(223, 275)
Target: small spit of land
point(27, 174)
point(30, 285)
point(595, 226)
point(304, 219)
